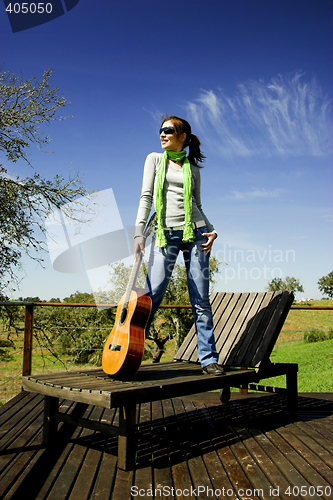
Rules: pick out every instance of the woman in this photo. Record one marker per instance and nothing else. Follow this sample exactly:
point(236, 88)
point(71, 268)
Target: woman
point(173, 180)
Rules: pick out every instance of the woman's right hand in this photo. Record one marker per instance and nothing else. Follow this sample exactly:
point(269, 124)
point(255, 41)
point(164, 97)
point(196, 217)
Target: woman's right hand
point(139, 246)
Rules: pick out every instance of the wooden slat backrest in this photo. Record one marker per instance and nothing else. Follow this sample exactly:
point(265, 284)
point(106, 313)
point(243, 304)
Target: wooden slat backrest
point(246, 327)
point(189, 345)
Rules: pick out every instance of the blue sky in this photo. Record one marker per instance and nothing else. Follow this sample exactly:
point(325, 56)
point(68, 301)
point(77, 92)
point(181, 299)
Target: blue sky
point(254, 78)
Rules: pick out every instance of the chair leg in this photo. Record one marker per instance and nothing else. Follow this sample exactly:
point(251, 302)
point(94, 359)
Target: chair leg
point(225, 395)
point(292, 390)
point(50, 425)
point(126, 438)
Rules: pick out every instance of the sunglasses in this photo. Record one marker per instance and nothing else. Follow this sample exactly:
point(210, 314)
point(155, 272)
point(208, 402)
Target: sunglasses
point(167, 130)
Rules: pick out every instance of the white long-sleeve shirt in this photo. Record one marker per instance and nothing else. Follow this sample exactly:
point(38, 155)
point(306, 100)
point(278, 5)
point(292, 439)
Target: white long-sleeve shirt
point(173, 204)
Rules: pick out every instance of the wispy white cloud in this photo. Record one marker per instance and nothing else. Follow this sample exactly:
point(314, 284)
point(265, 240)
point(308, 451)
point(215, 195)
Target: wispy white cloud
point(327, 218)
point(257, 193)
point(155, 115)
point(286, 116)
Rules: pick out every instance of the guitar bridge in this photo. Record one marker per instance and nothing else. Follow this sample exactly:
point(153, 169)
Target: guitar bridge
point(114, 347)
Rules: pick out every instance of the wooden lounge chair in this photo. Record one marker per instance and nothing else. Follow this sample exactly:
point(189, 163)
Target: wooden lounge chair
point(246, 328)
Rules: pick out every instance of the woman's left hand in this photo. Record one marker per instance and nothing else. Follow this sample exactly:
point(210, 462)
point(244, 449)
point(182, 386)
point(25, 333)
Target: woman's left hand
point(206, 247)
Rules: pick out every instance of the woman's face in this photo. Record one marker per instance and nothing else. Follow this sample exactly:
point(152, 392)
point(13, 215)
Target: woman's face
point(171, 142)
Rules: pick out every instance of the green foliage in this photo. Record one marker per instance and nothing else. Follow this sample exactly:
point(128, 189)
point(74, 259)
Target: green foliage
point(317, 335)
point(77, 331)
point(24, 105)
point(25, 202)
point(119, 277)
point(290, 283)
point(325, 285)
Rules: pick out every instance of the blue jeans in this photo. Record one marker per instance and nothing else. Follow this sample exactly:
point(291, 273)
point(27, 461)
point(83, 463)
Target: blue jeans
point(160, 267)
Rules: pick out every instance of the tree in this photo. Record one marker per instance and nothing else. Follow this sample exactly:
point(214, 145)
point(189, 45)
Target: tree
point(77, 332)
point(80, 331)
point(325, 285)
point(290, 283)
point(24, 203)
point(24, 106)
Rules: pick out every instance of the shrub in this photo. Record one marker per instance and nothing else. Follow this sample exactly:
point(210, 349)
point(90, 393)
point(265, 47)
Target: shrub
point(317, 335)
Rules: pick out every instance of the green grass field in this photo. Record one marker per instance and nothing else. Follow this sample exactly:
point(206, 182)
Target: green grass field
point(315, 360)
point(315, 365)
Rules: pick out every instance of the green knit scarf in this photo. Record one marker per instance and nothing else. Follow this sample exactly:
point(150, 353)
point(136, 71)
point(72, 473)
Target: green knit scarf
point(188, 233)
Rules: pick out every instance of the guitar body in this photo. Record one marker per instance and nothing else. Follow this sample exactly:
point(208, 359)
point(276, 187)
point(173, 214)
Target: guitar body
point(123, 350)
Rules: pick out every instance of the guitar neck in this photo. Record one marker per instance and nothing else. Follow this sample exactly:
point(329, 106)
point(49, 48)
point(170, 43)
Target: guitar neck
point(136, 265)
point(132, 280)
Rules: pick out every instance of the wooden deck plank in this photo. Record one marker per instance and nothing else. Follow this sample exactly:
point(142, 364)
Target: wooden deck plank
point(85, 477)
point(327, 424)
point(12, 476)
point(26, 456)
point(144, 473)
point(251, 443)
point(66, 478)
point(199, 474)
point(261, 485)
point(178, 466)
point(221, 440)
point(321, 431)
point(285, 471)
point(276, 479)
point(106, 477)
point(182, 466)
point(310, 451)
point(10, 408)
point(20, 437)
point(15, 423)
point(9, 456)
point(123, 485)
point(315, 441)
point(307, 475)
point(161, 464)
point(54, 460)
point(210, 455)
point(12, 403)
point(107, 472)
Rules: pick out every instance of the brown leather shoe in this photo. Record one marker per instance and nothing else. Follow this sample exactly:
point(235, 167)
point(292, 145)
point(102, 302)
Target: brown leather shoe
point(213, 369)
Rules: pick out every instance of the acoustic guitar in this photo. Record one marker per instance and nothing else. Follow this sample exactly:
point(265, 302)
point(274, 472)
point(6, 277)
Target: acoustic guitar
point(123, 350)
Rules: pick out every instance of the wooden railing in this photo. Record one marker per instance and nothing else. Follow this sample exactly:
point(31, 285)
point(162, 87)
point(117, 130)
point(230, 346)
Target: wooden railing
point(29, 319)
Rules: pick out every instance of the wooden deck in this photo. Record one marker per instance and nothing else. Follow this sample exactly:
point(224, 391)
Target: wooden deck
point(189, 447)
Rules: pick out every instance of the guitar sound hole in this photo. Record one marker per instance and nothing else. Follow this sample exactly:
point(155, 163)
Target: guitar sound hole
point(114, 347)
point(123, 315)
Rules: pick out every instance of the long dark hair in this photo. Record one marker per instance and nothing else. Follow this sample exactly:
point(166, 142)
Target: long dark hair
point(195, 154)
